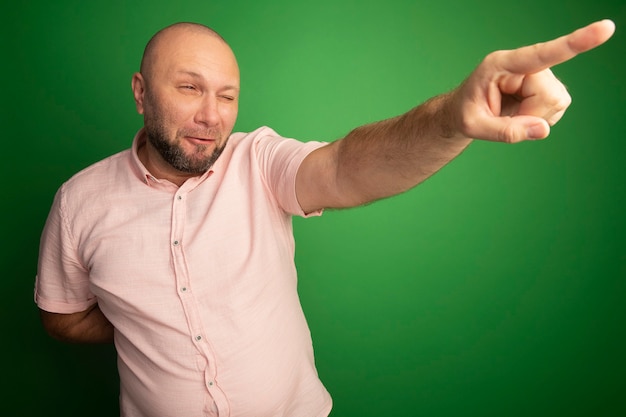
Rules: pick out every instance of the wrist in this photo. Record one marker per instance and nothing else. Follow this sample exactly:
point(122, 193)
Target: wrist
point(443, 111)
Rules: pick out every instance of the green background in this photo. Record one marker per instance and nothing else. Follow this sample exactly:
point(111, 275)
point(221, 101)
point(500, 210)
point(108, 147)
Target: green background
point(494, 289)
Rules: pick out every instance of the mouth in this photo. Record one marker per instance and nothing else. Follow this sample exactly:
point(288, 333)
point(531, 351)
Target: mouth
point(199, 140)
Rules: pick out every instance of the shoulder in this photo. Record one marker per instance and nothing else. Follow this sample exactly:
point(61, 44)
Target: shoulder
point(243, 139)
point(100, 168)
point(94, 179)
point(266, 142)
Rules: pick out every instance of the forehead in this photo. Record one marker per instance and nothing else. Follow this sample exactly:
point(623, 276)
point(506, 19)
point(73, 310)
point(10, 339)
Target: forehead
point(197, 52)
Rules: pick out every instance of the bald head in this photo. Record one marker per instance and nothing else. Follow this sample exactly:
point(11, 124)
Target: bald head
point(170, 34)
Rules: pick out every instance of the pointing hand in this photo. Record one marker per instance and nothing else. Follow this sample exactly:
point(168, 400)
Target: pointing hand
point(513, 96)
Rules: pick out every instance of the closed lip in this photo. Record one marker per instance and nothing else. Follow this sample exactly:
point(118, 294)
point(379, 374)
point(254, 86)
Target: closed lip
point(199, 139)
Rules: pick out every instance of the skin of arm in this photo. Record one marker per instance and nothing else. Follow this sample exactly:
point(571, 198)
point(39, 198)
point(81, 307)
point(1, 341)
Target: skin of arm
point(89, 326)
point(380, 159)
point(510, 97)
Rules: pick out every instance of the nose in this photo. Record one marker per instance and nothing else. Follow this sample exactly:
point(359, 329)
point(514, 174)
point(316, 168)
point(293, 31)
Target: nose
point(207, 112)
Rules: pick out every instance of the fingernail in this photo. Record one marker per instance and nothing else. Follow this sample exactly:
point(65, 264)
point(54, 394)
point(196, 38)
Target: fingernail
point(536, 131)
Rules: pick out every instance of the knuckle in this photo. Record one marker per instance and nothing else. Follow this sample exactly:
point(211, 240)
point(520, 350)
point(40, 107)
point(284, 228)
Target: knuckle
point(495, 56)
point(509, 134)
point(560, 103)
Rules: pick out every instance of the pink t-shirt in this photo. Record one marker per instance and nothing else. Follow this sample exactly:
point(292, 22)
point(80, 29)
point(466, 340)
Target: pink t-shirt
point(199, 281)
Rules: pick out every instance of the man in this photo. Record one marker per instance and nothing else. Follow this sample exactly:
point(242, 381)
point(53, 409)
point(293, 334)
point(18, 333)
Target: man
point(180, 249)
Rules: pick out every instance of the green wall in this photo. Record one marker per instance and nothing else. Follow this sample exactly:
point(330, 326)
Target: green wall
point(494, 289)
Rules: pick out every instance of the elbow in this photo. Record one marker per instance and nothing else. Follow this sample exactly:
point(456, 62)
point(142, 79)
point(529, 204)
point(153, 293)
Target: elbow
point(89, 326)
point(55, 326)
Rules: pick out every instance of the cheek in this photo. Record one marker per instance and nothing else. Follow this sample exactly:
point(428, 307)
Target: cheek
point(174, 115)
point(229, 116)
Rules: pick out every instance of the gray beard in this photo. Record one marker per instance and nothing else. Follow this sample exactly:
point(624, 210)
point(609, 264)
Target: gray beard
point(175, 156)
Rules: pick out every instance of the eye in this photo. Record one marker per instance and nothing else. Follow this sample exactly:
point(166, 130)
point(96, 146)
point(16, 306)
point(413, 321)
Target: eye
point(228, 98)
point(189, 89)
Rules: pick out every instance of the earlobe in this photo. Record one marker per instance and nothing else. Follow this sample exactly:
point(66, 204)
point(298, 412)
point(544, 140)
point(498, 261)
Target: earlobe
point(138, 86)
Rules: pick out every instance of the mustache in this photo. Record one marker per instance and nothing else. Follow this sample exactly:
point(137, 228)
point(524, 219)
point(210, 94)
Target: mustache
point(200, 133)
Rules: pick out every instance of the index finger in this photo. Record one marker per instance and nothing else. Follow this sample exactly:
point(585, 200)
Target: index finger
point(537, 57)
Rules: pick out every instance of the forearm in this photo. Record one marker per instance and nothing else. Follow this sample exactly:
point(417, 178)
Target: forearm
point(89, 326)
point(389, 157)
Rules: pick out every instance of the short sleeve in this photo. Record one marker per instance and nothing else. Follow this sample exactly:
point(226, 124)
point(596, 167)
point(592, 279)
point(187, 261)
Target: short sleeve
point(62, 282)
point(279, 160)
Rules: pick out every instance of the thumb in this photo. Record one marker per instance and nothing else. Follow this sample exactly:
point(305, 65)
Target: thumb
point(513, 129)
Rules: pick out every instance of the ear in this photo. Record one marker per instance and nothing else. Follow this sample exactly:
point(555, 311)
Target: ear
point(139, 88)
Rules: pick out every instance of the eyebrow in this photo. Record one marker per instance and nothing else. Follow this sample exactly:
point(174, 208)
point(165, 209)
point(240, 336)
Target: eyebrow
point(198, 76)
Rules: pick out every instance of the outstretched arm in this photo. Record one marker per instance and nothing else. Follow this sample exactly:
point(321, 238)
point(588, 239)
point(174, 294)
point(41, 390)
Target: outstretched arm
point(510, 97)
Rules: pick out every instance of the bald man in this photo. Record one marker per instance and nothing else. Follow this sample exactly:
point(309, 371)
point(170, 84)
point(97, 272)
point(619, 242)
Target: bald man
point(180, 249)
